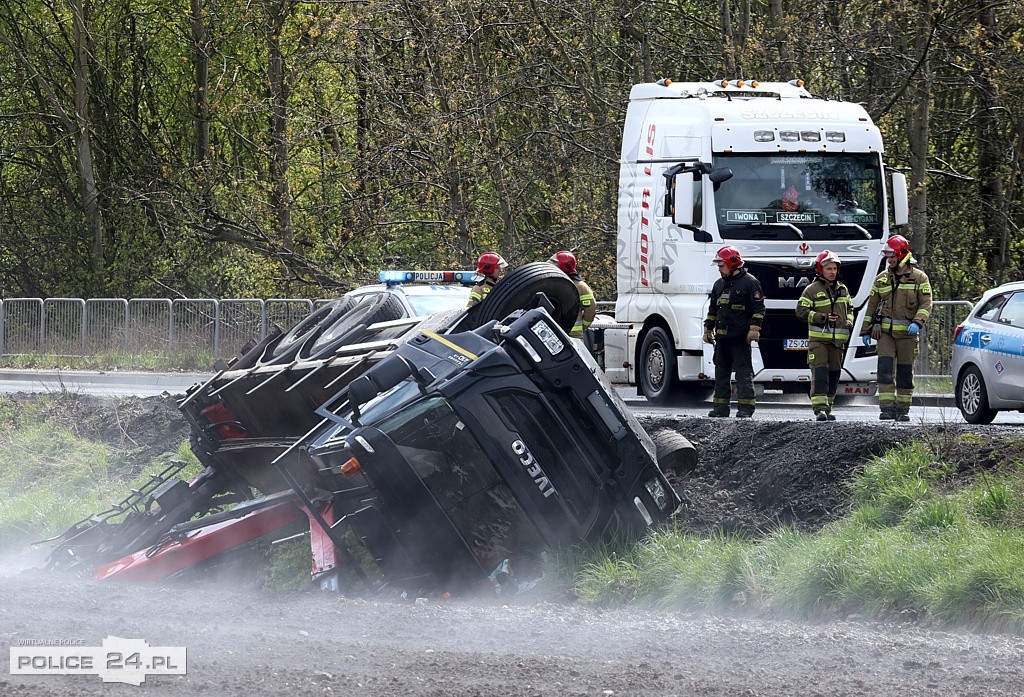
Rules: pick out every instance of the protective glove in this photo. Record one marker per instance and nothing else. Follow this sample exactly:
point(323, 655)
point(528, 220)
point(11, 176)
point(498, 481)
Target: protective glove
point(876, 331)
point(865, 339)
point(709, 336)
point(754, 334)
point(913, 329)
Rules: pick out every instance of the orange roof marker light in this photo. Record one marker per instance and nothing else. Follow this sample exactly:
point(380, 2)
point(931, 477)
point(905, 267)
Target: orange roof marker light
point(740, 83)
point(664, 82)
point(797, 82)
point(350, 467)
point(754, 83)
point(721, 83)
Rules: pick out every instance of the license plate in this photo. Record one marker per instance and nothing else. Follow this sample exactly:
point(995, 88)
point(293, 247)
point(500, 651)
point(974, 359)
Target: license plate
point(794, 344)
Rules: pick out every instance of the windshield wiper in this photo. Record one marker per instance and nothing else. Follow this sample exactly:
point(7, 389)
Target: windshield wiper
point(853, 225)
point(798, 231)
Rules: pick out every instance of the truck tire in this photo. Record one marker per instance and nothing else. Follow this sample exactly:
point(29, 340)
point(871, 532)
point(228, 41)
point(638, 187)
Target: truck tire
point(657, 367)
point(350, 327)
point(291, 341)
point(517, 290)
point(675, 453)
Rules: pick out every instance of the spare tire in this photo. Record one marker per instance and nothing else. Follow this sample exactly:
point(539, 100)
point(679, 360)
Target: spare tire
point(291, 341)
point(351, 326)
point(675, 453)
point(518, 290)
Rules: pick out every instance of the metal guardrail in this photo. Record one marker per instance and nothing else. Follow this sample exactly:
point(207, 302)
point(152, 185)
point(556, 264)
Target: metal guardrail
point(936, 342)
point(207, 327)
point(199, 327)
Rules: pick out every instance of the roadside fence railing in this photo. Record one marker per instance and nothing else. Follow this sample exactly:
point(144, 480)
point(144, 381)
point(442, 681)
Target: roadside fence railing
point(208, 329)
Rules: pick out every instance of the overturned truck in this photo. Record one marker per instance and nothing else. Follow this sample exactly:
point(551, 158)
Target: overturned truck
point(427, 454)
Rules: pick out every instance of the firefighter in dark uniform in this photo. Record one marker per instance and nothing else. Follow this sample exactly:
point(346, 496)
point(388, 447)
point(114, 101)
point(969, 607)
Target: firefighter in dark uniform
point(489, 266)
point(825, 306)
point(899, 305)
point(566, 261)
point(732, 325)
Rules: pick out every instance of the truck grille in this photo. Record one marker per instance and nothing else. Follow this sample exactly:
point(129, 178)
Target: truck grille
point(786, 282)
point(552, 447)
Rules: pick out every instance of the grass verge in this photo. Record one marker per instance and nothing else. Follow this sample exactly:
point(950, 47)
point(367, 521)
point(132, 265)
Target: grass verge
point(919, 541)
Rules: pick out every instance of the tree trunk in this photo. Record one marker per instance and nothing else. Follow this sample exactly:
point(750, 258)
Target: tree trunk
point(990, 191)
point(83, 148)
point(201, 66)
point(918, 134)
point(280, 191)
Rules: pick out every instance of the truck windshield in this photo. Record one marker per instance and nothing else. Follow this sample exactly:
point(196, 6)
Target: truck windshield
point(815, 196)
point(447, 458)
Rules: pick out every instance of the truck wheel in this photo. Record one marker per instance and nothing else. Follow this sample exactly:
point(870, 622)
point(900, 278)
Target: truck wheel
point(972, 397)
point(290, 342)
point(517, 291)
point(675, 453)
point(351, 326)
point(658, 367)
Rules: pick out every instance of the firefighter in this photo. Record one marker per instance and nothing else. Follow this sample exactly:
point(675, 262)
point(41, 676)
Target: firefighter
point(735, 313)
point(825, 306)
point(489, 266)
point(566, 261)
point(899, 305)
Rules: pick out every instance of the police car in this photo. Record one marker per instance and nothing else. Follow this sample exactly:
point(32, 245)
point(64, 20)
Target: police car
point(988, 355)
point(420, 292)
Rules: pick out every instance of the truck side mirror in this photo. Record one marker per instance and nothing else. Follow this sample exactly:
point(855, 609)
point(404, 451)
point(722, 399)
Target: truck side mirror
point(900, 210)
point(722, 174)
point(682, 199)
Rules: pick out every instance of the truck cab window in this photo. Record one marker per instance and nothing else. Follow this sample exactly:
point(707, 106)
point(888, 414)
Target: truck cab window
point(824, 195)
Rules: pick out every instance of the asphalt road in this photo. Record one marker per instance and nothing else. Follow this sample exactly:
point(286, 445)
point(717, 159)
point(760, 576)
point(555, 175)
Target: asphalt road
point(775, 407)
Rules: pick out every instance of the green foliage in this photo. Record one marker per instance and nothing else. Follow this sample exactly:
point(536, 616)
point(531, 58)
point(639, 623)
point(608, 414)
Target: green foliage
point(916, 541)
point(420, 134)
point(50, 477)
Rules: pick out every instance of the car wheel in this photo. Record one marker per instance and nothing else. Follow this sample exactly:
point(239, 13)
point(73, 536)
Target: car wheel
point(517, 291)
point(972, 397)
point(657, 367)
point(675, 453)
point(350, 327)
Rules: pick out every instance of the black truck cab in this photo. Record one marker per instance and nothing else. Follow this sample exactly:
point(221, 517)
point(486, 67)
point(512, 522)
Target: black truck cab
point(476, 451)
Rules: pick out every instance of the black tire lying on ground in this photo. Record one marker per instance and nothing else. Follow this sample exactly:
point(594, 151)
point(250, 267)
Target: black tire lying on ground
point(518, 290)
point(675, 453)
point(350, 327)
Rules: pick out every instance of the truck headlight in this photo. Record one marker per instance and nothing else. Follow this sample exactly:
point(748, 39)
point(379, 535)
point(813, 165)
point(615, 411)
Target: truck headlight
point(657, 492)
point(550, 340)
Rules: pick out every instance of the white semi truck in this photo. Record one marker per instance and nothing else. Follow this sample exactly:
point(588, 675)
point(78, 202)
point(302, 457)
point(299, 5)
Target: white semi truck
point(769, 169)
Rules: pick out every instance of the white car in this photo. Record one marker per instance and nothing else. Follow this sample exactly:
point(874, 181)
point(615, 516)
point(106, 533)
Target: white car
point(420, 292)
point(988, 355)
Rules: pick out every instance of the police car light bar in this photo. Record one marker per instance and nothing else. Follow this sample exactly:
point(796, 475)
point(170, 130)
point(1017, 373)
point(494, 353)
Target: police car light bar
point(426, 276)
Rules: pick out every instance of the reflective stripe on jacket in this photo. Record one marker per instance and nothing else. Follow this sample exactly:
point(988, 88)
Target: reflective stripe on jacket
point(588, 307)
point(896, 300)
point(818, 301)
point(737, 303)
point(480, 291)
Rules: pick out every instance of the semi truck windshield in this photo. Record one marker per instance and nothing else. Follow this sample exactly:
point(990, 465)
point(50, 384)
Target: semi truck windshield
point(817, 196)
